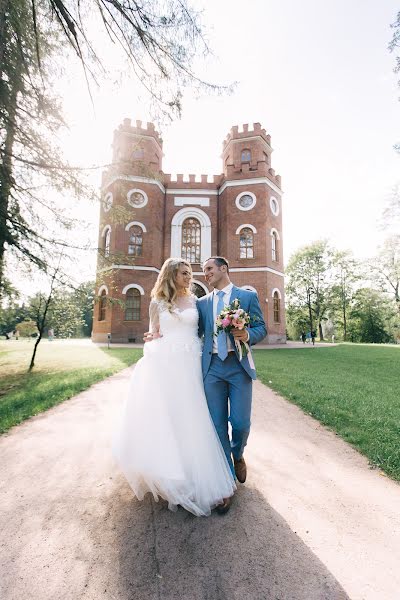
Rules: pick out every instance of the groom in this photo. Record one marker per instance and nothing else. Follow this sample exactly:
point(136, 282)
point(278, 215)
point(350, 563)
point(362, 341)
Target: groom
point(228, 381)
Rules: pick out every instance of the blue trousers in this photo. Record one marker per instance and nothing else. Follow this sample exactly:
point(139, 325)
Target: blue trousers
point(228, 391)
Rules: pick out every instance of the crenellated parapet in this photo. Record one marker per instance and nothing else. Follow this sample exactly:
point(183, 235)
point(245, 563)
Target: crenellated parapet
point(237, 133)
point(247, 153)
point(137, 150)
point(140, 129)
point(191, 181)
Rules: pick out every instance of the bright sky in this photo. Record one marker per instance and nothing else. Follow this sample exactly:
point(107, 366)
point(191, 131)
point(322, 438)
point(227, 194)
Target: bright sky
point(318, 76)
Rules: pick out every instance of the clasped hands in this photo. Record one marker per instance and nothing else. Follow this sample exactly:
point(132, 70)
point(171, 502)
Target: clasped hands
point(241, 335)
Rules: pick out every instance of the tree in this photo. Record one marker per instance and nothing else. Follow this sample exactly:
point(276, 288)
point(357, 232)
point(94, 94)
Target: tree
point(368, 314)
point(85, 295)
point(385, 269)
point(345, 276)
point(31, 168)
point(391, 213)
point(70, 313)
point(394, 45)
point(159, 40)
point(309, 285)
point(27, 328)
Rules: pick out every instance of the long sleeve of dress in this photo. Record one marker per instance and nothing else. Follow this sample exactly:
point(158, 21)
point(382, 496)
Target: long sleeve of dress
point(154, 317)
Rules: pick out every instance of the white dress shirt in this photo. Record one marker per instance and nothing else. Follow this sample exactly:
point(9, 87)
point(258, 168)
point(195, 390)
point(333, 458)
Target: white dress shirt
point(226, 297)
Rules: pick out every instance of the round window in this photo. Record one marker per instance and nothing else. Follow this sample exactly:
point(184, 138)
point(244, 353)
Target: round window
point(273, 202)
point(137, 198)
point(246, 201)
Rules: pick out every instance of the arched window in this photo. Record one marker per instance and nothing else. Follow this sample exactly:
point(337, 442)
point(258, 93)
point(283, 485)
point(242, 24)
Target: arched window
point(132, 305)
point(245, 156)
point(275, 248)
point(135, 247)
point(191, 240)
point(103, 305)
point(107, 240)
point(198, 290)
point(246, 243)
point(277, 308)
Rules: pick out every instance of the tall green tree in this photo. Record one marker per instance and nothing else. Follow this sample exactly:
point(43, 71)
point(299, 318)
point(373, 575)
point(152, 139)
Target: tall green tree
point(309, 285)
point(346, 274)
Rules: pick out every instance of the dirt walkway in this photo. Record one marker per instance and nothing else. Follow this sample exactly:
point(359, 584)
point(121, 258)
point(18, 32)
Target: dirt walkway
point(312, 523)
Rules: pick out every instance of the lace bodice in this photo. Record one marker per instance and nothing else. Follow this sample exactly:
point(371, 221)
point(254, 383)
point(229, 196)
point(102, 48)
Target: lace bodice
point(178, 326)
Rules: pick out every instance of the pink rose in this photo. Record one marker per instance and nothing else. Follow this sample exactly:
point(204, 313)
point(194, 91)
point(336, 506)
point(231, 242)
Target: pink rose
point(226, 322)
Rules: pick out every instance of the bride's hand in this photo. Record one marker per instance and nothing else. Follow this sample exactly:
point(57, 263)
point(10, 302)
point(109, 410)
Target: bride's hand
point(149, 336)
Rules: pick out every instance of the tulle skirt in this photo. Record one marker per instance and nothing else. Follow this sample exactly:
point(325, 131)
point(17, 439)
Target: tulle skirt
point(166, 442)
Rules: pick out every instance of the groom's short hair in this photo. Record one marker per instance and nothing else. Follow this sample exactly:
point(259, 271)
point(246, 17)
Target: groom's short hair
point(219, 261)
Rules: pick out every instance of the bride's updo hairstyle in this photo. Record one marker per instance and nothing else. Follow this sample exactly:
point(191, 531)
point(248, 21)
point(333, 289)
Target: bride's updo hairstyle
point(165, 287)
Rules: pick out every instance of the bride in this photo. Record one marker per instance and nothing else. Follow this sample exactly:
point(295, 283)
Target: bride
point(166, 442)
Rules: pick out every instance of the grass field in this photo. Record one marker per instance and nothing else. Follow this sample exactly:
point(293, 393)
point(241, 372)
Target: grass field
point(63, 368)
point(353, 389)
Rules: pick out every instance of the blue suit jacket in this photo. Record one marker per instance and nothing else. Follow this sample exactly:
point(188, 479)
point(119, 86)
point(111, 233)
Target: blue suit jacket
point(257, 329)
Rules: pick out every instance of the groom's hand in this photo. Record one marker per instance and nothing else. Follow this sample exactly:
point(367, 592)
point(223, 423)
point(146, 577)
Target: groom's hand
point(241, 335)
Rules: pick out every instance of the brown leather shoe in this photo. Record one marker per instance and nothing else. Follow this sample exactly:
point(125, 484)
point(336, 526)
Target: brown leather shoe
point(223, 508)
point(240, 469)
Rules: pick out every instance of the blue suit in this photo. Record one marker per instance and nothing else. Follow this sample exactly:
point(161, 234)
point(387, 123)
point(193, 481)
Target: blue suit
point(230, 379)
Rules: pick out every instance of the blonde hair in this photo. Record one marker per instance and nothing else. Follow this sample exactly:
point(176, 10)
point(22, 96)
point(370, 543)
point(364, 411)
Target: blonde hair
point(165, 286)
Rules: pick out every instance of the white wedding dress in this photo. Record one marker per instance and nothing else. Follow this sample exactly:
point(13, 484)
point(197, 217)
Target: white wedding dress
point(166, 442)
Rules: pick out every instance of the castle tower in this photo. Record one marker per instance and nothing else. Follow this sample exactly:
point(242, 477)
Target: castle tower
point(131, 232)
point(146, 216)
point(250, 221)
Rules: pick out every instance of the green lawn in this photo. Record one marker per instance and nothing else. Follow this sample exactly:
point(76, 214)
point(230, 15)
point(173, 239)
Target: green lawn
point(353, 389)
point(63, 368)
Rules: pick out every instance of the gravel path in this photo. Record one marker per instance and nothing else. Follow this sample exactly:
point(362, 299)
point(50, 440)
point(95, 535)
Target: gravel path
point(313, 522)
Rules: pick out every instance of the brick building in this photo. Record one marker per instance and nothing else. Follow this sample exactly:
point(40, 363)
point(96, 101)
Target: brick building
point(146, 217)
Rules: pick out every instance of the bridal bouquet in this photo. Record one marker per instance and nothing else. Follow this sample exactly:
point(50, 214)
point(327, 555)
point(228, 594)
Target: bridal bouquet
point(233, 317)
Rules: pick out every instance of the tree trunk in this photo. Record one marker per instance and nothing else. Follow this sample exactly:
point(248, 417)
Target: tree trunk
point(6, 167)
point(41, 322)
point(32, 364)
point(321, 335)
point(310, 312)
point(3, 21)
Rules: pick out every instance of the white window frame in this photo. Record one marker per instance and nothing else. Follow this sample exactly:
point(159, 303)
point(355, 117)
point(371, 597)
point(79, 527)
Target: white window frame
point(102, 288)
point(134, 191)
point(132, 223)
point(271, 204)
point(239, 229)
point(253, 196)
point(133, 286)
point(191, 212)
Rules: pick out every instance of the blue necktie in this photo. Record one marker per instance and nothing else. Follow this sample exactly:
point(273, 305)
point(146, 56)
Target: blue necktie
point(222, 344)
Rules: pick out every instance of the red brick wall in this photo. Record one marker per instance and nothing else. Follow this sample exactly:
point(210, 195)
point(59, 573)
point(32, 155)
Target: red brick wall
point(157, 216)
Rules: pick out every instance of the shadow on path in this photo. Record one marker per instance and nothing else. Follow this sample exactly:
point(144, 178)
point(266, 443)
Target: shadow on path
point(249, 554)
